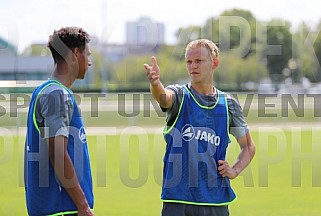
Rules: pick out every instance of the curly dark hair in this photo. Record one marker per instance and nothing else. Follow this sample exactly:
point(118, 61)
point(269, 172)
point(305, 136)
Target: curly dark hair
point(66, 39)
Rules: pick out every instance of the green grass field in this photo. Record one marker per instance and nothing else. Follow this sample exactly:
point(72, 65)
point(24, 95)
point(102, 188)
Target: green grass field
point(127, 173)
point(284, 178)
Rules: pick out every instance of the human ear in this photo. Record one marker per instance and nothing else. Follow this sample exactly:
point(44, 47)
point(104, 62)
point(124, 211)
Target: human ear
point(75, 51)
point(215, 62)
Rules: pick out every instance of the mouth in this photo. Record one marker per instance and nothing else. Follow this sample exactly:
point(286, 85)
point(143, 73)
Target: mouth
point(194, 73)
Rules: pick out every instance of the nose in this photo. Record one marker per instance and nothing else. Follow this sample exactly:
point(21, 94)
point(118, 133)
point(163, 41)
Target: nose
point(194, 65)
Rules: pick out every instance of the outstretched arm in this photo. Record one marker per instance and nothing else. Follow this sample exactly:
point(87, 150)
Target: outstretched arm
point(244, 158)
point(162, 95)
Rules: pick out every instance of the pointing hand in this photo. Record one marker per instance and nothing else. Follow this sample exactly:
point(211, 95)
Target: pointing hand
point(152, 72)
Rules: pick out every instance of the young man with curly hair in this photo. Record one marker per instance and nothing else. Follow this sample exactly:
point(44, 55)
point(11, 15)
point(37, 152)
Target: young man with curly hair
point(58, 178)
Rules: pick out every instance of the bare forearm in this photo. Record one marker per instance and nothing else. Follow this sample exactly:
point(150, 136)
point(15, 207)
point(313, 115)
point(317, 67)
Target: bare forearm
point(244, 158)
point(247, 153)
point(65, 171)
point(71, 184)
point(161, 95)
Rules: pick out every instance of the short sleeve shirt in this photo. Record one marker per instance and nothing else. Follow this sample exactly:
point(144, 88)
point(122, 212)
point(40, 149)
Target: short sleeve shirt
point(54, 110)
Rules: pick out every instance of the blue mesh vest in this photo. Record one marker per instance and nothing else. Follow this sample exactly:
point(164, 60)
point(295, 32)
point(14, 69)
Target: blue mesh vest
point(44, 194)
point(195, 142)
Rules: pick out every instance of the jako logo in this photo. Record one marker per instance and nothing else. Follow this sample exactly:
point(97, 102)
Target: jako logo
point(188, 133)
point(82, 134)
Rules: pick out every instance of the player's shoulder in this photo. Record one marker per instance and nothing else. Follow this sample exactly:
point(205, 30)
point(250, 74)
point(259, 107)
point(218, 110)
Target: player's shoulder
point(230, 97)
point(176, 88)
point(232, 101)
point(55, 93)
point(54, 89)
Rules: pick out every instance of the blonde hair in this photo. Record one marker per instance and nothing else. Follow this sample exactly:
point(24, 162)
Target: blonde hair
point(207, 44)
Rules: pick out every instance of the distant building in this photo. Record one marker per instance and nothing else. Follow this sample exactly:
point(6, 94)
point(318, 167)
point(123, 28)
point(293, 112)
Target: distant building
point(143, 37)
point(25, 67)
point(7, 48)
point(113, 52)
point(117, 52)
point(145, 32)
point(35, 64)
point(22, 68)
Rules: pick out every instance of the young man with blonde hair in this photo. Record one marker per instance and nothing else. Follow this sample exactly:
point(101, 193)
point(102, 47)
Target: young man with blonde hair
point(196, 177)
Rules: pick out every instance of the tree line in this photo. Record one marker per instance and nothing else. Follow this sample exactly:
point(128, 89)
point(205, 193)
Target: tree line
point(250, 50)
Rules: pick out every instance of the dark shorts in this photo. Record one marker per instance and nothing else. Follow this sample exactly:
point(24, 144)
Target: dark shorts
point(179, 209)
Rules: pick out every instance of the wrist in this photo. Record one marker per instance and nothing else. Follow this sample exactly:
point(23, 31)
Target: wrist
point(155, 83)
point(236, 171)
point(82, 204)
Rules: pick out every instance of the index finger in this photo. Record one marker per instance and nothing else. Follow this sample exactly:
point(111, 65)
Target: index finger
point(154, 61)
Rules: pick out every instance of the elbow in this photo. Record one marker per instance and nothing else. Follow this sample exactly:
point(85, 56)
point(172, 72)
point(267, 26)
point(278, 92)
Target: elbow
point(252, 150)
point(250, 146)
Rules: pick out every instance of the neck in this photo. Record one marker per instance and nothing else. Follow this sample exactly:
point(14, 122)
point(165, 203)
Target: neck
point(205, 89)
point(62, 74)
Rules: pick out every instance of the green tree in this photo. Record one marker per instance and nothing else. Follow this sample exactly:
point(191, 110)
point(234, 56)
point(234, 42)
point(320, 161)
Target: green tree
point(278, 48)
point(242, 32)
point(303, 53)
point(317, 50)
point(235, 73)
point(235, 30)
point(187, 34)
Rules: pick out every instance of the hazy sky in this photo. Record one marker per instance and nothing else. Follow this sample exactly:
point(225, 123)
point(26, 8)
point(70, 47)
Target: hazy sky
point(32, 21)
